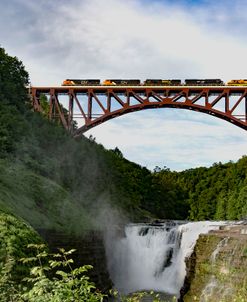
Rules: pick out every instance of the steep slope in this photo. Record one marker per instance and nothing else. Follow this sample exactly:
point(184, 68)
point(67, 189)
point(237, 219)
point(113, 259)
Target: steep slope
point(52, 180)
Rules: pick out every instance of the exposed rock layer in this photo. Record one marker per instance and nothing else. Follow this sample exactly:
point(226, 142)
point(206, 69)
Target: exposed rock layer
point(217, 269)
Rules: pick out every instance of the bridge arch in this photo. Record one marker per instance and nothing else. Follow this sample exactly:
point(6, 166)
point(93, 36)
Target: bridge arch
point(124, 111)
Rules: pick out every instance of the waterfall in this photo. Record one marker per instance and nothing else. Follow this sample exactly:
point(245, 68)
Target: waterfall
point(152, 257)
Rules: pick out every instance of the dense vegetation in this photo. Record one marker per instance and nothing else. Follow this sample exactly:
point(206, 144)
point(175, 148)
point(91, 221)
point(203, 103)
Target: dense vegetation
point(218, 192)
point(15, 235)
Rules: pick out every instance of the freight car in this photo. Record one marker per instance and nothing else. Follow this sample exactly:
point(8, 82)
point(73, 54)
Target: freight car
point(172, 82)
point(119, 82)
point(160, 82)
point(153, 82)
point(204, 82)
point(80, 82)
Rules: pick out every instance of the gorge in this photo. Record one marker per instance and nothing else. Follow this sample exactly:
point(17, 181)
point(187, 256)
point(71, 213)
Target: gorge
point(74, 193)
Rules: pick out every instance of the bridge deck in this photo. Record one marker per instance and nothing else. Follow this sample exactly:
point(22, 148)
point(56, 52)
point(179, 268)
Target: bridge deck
point(135, 87)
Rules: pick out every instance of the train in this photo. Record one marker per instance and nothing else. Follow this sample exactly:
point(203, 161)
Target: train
point(153, 82)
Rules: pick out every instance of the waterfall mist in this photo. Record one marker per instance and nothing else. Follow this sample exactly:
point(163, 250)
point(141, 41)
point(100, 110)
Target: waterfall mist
point(152, 256)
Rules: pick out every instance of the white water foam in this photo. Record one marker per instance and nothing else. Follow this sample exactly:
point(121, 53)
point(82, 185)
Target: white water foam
point(152, 257)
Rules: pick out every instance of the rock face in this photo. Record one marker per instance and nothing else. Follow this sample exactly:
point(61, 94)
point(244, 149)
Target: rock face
point(217, 269)
point(89, 250)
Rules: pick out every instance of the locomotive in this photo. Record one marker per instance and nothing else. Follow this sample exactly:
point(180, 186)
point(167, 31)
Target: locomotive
point(160, 82)
point(206, 82)
point(118, 82)
point(237, 83)
point(79, 82)
point(153, 82)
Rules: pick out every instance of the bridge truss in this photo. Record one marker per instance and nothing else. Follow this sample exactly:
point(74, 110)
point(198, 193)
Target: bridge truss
point(94, 105)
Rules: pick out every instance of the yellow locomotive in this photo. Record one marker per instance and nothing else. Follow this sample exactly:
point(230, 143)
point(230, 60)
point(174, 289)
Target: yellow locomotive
point(237, 82)
point(80, 82)
point(120, 82)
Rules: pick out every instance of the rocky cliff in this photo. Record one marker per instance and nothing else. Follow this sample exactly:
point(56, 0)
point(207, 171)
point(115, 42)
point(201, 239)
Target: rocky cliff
point(217, 269)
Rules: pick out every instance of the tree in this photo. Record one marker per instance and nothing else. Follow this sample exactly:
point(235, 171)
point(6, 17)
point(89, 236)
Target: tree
point(13, 101)
point(13, 81)
point(117, 152)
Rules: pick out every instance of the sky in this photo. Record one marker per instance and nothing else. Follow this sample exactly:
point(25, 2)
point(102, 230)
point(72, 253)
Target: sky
point(140, 39)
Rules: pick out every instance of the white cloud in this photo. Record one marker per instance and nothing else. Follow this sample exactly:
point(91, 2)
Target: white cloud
point(124, 38)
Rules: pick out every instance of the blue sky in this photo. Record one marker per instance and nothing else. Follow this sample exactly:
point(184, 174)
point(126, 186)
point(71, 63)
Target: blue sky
point(138, 39)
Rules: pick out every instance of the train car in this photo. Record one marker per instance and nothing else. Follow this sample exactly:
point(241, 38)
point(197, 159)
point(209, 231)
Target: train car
point(81, 82)
point(153, 82)
point(204, 82)
point(172, 82)
point(160, 82)
point(214, 82)
point(120, 82)
point(242, 82)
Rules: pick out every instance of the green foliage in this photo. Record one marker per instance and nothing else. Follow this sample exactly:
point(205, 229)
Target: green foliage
point(39, 200)
point(13, 79)
point(12, 125)
point(65, 283)
point(153, 195)
point(44, 105)
point(13, 102)
point(53, 278)
point(218, 192)
point(15, 235)
point(170, 196)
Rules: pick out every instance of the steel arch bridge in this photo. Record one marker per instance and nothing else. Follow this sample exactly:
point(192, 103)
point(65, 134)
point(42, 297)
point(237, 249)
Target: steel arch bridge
point(97, 104)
